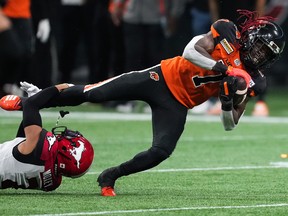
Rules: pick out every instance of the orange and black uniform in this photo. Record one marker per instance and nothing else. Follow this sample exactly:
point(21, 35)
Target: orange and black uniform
point(192, 85)
point(170, 88)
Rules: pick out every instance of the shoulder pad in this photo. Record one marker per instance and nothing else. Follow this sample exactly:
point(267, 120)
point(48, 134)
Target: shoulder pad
point(224, 28)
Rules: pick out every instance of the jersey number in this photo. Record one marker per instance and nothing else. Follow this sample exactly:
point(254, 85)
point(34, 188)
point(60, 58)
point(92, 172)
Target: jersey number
point(198, 81)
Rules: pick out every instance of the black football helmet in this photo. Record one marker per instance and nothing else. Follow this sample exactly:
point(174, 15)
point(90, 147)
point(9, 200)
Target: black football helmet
point(261, 45)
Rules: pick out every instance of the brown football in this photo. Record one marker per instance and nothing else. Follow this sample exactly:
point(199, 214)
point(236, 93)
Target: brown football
point(241, 92)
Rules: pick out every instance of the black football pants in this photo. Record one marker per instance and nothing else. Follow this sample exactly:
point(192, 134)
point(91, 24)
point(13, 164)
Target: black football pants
point(168, 115)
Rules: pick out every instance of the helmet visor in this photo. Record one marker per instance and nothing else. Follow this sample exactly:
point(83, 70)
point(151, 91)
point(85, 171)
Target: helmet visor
point(260, 53)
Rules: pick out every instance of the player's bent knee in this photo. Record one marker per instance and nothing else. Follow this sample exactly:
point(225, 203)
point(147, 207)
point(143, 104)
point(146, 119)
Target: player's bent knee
point(158, 154)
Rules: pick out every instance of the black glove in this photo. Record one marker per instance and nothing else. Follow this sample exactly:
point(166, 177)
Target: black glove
point(228, 87)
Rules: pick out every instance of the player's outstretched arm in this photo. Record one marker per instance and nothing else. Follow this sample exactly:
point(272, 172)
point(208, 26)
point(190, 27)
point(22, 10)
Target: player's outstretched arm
point(32, 122)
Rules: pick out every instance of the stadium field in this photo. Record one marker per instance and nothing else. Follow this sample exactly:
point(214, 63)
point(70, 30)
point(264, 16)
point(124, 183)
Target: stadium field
point(211, 172)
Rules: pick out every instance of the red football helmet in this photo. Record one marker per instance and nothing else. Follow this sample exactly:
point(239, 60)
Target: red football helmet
point(75, 152)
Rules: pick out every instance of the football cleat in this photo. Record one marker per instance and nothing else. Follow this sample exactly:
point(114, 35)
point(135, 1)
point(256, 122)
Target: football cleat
point(10, 102)
point(108, 191)
point(107, 180)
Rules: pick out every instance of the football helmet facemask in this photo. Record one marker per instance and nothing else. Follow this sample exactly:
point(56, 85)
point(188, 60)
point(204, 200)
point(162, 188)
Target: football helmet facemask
point(262, 44)
point(75, 152)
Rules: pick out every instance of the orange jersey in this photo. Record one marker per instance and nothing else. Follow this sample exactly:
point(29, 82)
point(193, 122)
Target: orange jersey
point(192, 85)
point(17, 9)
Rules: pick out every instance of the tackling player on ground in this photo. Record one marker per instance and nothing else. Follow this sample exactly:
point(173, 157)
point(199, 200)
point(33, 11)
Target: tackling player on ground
point(208, 68)
point(36, 158)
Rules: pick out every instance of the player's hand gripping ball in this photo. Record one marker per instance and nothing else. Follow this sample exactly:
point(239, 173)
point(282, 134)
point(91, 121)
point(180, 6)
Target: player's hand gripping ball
point(233, 90)
point(241, 92)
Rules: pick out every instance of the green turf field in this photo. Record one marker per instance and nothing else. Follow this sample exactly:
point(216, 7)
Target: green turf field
point(211, 172)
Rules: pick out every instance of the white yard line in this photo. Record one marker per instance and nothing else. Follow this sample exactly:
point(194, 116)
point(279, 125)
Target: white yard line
point(134, 211)
point(273, 165)
point(192, 208)
point(142, 117)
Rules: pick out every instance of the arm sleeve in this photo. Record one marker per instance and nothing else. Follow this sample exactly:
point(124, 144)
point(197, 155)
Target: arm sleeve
point(221, 30)
point(31, 106)
point(192, 55)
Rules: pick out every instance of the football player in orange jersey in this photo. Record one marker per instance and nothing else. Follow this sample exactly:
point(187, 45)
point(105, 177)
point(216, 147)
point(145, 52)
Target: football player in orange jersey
point(207, 68)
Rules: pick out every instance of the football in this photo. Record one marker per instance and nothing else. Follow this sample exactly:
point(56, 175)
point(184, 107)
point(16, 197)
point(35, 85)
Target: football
point(241, 92)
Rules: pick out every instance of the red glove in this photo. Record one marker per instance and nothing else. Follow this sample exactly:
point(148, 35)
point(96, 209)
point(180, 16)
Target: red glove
point(239, 72)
